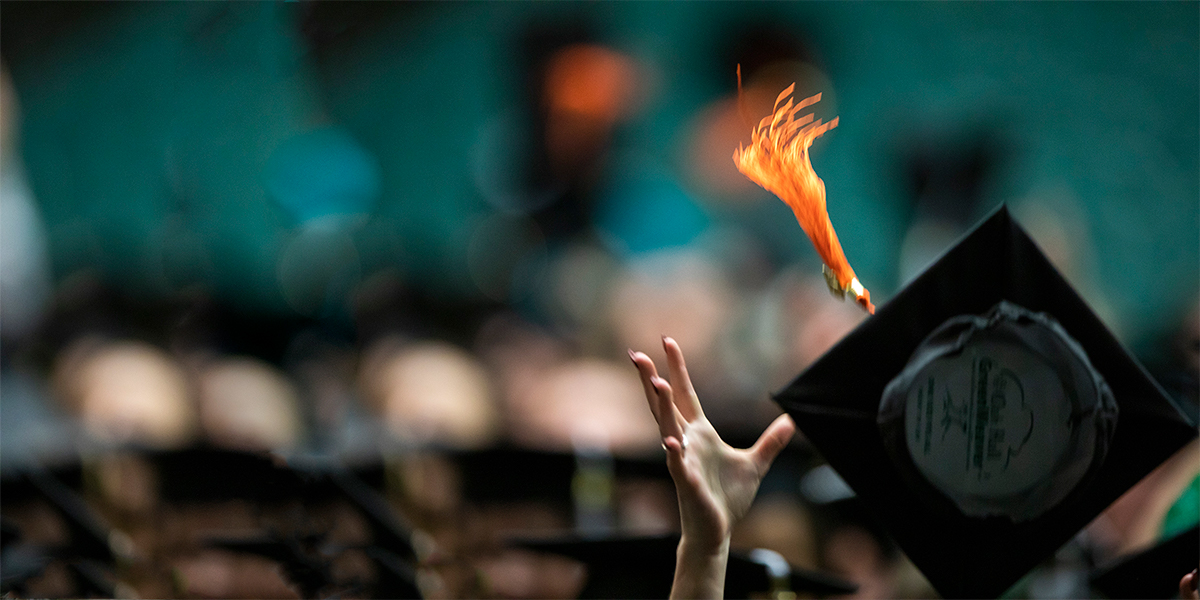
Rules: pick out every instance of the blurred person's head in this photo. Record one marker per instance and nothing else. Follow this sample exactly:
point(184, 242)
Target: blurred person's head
point(681, 294)
point(1055, 220)
point(514, 573)
point(553, 401)
point(247, 404)
point(430, 393)
point(126, 392)
point(584, 403)
point(950, 167)
point(223, 574)
point(519, 354)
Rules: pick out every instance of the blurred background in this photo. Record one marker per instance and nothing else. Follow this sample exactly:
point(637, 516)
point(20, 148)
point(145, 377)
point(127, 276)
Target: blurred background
point(410, 243)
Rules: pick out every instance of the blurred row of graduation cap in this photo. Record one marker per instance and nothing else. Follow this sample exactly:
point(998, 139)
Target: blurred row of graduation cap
point(128, 519)
point(423, 461)
point(535, 169)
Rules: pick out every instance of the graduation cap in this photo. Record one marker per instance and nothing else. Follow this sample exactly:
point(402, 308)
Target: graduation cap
point(644, 567)
point(210, 474)
point(513, 474)
point(1152, 573)
point(88, 554)
point(306, 559)
point(389, 531)
point(985, 414)
point(89, 537)
point(391, 548)
point(204, 473)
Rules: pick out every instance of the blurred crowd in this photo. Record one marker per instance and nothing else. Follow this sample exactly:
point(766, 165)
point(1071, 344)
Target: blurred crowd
point(108, 379)
point(480, 417)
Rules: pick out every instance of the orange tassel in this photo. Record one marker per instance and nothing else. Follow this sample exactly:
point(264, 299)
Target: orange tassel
point(777, 159)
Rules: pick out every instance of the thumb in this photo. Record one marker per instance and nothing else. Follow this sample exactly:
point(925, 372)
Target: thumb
point(772, 441)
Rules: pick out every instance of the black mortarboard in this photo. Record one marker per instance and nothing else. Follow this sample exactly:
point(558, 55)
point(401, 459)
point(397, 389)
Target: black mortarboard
point(88, 553)
point(89, 537)
point(204, 474)
point(509, 473)
point(306, 558)
point(209, 474)
point(1152, 573)
point(644, 567)
point(391, 546)
point(991, 331)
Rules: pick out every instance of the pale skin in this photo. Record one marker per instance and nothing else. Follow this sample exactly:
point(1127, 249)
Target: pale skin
point(715, 483)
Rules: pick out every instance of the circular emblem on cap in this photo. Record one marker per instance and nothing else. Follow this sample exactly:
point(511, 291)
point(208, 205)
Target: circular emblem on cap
point(1001, 413)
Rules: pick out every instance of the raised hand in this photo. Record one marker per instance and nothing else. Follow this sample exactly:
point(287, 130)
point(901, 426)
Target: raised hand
point(715, 482)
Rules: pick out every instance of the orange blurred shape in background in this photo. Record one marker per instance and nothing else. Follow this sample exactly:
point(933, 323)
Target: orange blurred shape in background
point(587, 90)
point(589, 80)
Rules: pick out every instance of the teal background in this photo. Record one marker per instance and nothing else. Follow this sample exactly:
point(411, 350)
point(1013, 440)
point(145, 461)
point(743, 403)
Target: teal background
point(149, 129)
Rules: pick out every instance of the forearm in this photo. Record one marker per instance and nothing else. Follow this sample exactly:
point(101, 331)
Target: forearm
point(700, 569)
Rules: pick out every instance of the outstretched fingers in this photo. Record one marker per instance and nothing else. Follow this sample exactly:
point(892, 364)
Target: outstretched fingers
point(772, 441)
point(659, 397)
point(646, 372)
point(685, 395)
point(670, 422)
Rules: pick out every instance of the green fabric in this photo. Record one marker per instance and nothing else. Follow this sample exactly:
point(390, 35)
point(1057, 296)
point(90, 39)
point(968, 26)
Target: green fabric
point(1185, 512)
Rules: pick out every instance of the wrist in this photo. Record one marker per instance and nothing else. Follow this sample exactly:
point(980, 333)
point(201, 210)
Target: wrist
point(700, 567)
point(700, 547)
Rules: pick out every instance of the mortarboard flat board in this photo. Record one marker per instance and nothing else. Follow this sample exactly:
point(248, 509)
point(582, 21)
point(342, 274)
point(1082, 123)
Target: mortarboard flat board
point(306, 559)
point(644, 566)
point(515, 474)
point(511, 474)
point(202, 474)
point(970, 524)
point(1152, 573)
